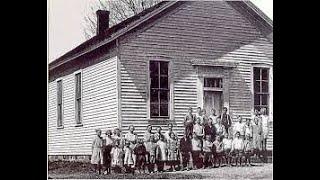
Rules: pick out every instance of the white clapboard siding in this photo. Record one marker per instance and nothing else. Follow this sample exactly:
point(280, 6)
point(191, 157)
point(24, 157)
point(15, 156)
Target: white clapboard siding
point(100, 109)
point(208, 30)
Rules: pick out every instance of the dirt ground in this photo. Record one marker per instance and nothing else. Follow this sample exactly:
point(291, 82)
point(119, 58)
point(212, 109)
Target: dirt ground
point(82, 171)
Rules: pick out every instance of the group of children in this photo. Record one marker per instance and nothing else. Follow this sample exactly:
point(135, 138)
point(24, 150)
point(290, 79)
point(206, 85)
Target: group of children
point(208, 141)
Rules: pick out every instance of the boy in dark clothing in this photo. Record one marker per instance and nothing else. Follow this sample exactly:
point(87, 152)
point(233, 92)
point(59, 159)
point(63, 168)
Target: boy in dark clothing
point(210, 130)
point(226, 119)
point(185, 151)
point(140, 152)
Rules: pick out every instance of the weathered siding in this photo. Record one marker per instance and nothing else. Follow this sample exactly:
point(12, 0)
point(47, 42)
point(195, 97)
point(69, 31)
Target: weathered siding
point(100, 109)
point(201, 30)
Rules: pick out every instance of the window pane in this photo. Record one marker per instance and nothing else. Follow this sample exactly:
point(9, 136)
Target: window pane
point(257, 86)
point(265, 74)
point(164, 82)
point(78, 111)
point(265, 87)
point(154, 110)
point(256, 99)
point(59, 122)
point(59, 92)
point(154, 68)
point(154, 96)
point(164, 68)
point(78, 85)
point(164, 97)
point(164, 110)
point(256, 73)
point(154, 82)
point(264, 99)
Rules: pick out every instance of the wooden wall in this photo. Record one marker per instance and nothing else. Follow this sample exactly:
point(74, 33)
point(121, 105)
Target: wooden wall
point(100, 109)
point(195, 30)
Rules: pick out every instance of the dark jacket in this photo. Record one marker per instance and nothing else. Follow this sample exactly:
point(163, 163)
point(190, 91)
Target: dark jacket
point(210, 131)
point(185, 145)
point(226, 120)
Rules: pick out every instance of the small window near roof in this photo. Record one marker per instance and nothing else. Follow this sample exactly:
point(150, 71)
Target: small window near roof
point(213, 82)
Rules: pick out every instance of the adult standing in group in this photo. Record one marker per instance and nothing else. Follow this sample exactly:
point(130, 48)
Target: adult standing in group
point(117, 136)
point(158, 134)
point(226, 119)
point(213, 116)
point(256, 134)
point(198, 115)
point(189, 120)
point(147, 134)
point(210, 130)
point(265, 129)
point(205, 117)
point(132, 138)
point(170, 130)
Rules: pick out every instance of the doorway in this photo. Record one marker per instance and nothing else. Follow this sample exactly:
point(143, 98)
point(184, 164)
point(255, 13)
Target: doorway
point(212, 99)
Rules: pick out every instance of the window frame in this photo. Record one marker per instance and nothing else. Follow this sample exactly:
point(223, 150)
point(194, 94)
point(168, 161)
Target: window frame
point(170, 89)
point(270, 92)
point(62, 104)
point(75, 98)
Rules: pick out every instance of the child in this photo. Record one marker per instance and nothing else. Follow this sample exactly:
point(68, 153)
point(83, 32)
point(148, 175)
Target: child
point(198, 130)
point(248, 150)
point(131, 137)
point(161, 154)
point(189, 120)
point(219, 127)
point(218, 150)
point(239, 126)
point(227, 143)
point(185, 151)
point(97, 154)
point(198, 114)
point(107, 149)
point(237, 148)
point(128, 160)
point(248, 128)
point(151, 148)
point(116, 157)
point(204, 117)
point(172, 146)
point(196, 152)
point(140, 152)
point(207, 149)
point(213, 116)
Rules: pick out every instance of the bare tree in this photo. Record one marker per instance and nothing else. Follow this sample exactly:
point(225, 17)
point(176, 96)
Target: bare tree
point(119, 11)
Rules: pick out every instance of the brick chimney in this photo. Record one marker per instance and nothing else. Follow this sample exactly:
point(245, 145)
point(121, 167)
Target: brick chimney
point(102, 21)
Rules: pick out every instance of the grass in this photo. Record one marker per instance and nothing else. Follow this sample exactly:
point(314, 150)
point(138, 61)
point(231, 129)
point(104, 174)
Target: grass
point(79, 170)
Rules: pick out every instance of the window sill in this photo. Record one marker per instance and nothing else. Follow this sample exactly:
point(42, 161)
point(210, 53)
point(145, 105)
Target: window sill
point(160, 121)
point(78, 125)
point(60, 127)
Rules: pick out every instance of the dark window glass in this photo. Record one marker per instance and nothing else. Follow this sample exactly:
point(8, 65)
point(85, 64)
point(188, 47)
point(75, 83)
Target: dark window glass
point(256, 99)
point(164, 97)
point(256, 73)
point(59, 103)
point(265, 87)
point(164, 68)
point(213, 82)
point(264, 99)
point(154, 96)
point(164, 110)
point(164, 82)
point(159, 89)
point(154, 81)
point(265, 74)
point(257, 86)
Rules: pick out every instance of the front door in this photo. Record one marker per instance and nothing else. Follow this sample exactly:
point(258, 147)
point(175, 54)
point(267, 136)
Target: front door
point(212, 99)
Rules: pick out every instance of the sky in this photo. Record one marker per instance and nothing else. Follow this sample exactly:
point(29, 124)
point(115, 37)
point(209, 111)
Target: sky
point(65, 22)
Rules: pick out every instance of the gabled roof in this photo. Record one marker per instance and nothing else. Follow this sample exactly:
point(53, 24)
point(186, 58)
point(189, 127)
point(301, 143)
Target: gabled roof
point(114, 32)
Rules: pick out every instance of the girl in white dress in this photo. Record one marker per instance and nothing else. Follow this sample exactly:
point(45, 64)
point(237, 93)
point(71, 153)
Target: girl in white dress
point(97, 154)
point(161, 156)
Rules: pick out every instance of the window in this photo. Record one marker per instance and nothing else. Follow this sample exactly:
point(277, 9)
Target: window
point(213, 82)
point(159, 89)
point(78, 98)
point(261, 88)
point(59, 103)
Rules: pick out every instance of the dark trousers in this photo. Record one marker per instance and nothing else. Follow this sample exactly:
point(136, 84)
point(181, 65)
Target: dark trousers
point(207, 161)
point(185, 158)
point(189, 130)
point(160, 166)
point(197, 160)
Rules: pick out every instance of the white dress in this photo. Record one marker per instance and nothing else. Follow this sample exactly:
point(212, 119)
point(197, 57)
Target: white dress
point(162, 151)
point(265, 129)
point(97, 156)
point(116, 154)
point(128, 160)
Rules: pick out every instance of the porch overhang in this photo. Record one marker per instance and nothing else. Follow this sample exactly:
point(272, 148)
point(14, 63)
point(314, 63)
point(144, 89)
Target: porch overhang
point(214, 63)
